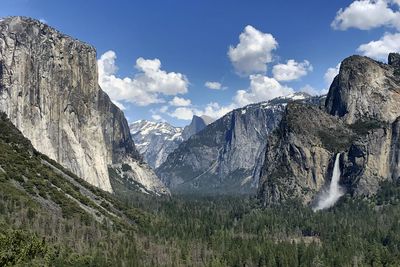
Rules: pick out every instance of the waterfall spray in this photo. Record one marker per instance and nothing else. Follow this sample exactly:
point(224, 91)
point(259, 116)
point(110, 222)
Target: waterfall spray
point(328, 198)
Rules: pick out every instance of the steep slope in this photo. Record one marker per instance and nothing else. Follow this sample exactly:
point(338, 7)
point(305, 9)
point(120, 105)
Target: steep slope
point(49, 90)
point(227, 155)
point(299, 159)
point(27, 174)
point(196, 125)
point(155, 140)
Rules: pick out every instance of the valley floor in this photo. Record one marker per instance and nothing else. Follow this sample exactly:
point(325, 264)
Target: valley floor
point(219, 231)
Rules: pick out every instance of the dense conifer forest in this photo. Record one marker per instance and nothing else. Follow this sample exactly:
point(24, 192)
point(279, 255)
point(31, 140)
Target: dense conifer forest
point(48, 220)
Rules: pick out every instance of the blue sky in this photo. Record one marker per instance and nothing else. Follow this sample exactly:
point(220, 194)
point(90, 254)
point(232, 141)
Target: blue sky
point(286, 46)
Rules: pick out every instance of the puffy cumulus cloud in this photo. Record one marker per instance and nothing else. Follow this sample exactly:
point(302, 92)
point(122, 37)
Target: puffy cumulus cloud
point(292, 70)
point(213, 85)
point(148, 86)
point(216, 111)
point(330, 74)
point(253, 51)
point(262, 88)
point(367, 14)
point(213, 110)
point(182, 113)
point(380, 49)
point(180, 102)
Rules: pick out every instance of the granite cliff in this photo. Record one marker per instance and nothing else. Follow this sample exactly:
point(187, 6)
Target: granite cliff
point(49, 90)
point(360, 121)
point(226, 156)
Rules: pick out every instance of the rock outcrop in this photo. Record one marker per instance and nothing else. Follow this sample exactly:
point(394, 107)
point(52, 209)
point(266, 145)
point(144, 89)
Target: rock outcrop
point(227, 155)
point(49, 90)
point(365, 88)
point(197, 124)
point(360, 121)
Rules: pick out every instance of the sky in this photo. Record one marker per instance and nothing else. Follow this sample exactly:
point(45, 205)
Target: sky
point(168, 60)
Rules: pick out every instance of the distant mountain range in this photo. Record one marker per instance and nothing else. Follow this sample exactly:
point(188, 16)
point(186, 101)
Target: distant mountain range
point(156, 140)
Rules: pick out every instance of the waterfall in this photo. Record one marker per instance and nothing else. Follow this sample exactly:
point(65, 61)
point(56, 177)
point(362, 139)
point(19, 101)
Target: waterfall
point(329, 197)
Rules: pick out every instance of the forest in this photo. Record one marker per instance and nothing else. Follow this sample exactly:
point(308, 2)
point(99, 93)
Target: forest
point(48, 220)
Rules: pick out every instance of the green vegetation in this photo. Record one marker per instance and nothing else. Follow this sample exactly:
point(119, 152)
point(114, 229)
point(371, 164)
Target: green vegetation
point(49, 217)
point(335, 141)
point(364, 126)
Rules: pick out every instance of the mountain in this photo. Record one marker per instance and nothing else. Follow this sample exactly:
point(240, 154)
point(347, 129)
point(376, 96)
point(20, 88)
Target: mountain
point(227, 155)
point(360, 120)
point(155, 140)
point(49, 90)
point(196, 125)
point(48, 213)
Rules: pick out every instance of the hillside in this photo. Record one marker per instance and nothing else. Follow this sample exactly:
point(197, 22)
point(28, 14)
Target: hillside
point(50, 217)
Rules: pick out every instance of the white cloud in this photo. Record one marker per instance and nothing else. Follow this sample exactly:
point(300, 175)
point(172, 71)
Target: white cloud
point(180, 102)
point(367, 14)
point(312, 91)
point(262, 88)
point(216, 111)
point(292, 70)
point(381, 48)
point(148, 86)
point(156, 117)
point(164, 109)
point(42, 20)
point(182, 113)
point(213, 85)
point(253, 52)
point(330, 74)
point(213, 110)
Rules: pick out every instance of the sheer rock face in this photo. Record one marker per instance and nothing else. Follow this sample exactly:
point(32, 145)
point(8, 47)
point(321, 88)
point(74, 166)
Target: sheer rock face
point(226, 156)
point(360, 120)
point(49, 90)
point(366, 88)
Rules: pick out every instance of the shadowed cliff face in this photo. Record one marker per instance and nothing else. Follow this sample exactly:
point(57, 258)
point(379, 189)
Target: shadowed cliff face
point(49, 90)
point(360, 121)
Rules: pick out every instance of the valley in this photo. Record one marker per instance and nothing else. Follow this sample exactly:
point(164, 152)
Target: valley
point(292, 179)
